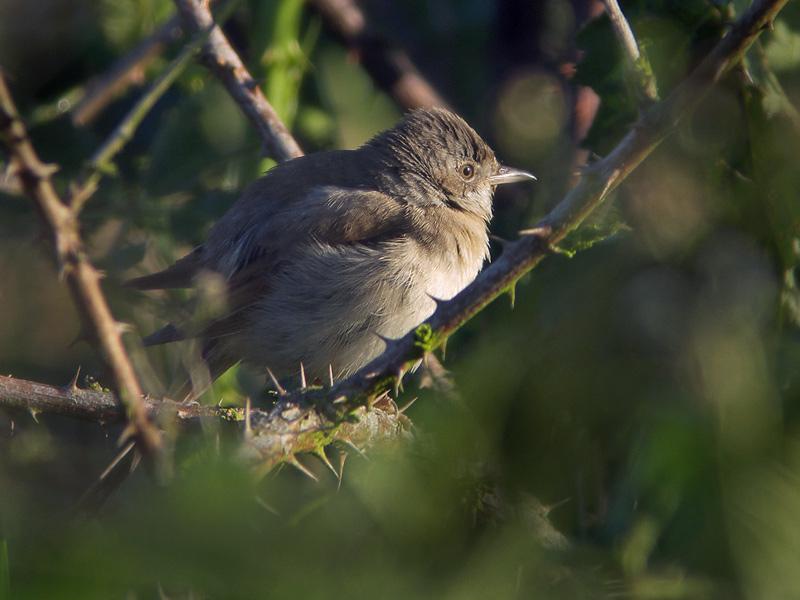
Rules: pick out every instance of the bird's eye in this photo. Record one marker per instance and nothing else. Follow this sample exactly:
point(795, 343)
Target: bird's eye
point(467, 171)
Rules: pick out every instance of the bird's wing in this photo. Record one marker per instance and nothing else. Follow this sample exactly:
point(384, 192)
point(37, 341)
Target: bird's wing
point(245, 250)
point(327, 215)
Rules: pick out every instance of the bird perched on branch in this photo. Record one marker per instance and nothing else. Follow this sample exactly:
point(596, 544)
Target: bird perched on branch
point(330, 253)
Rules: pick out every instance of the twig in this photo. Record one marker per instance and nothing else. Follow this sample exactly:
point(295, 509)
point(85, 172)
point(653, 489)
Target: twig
point(101, 161)
point(639, 67)
point(223, 61)
point(87, 405)
point(126, 71)
point(83, 279)
point(391, 68)
point(275, 434)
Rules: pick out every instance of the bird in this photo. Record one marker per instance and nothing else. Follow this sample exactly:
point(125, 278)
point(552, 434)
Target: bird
point(329, 255)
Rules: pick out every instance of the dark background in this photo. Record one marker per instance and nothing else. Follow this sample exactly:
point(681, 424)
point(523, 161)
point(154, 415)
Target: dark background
point(642, 397)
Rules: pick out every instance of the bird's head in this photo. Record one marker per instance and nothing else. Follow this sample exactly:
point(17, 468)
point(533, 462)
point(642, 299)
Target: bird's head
point(433, 157)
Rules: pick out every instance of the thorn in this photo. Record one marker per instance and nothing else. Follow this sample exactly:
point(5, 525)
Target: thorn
point(72, 386)
point(439, 301)
point(302, 376)
point(542, 231)
point(292, 460)
point(137, 458)
point(124, 328)
point(126, 435)
point(263, 504)
point(512, 294)
point(248, 426)
point(443, 346)
point(398, 381)
point(373, 401)
point(330, 374)
point(34, 414)
point(47, 170)
point(340, 400)
point(12, 169)
point(122, 454)
point(278, 386)
point(502, 242)
point(342, 459)
point(384, 339)
point(320, 453)
point(406, 406)
point(348, 442)
point(550, 507)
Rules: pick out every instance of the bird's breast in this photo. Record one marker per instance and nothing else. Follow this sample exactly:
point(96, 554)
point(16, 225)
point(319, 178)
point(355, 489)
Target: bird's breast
point(452, 264)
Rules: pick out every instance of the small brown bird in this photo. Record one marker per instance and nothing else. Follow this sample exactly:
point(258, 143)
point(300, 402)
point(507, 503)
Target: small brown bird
point(329, 253)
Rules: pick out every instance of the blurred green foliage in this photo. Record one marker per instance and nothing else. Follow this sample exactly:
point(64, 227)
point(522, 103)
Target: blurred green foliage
point(630, 429)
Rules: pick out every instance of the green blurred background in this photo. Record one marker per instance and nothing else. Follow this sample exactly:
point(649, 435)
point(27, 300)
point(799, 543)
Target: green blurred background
point(630, 429)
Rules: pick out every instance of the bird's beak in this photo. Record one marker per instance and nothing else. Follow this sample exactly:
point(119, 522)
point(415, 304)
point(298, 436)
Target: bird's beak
point(510, 175)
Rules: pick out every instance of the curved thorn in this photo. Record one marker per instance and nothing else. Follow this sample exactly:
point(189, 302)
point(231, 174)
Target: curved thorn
point(278, 386)
point(406, 406)
point(127, 434)
point(398, 381)
point(320, 454)
point(330, 374)
point(349, 443)
point(439, 301)
point(292, 460)
point(302, 376)
point(342, 458)
point(384, 339)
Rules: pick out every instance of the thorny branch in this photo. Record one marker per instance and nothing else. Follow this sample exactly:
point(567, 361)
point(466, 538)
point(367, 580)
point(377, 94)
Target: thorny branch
point(326, 410)
point(83, 279)
point(390, 67)
point(102, 160)
point(641, 73)
point(126, 71)
point(286, 430)
point(225, 64)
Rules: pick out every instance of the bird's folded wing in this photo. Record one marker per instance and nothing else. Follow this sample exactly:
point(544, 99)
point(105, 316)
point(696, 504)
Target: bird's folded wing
point(246, 247)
